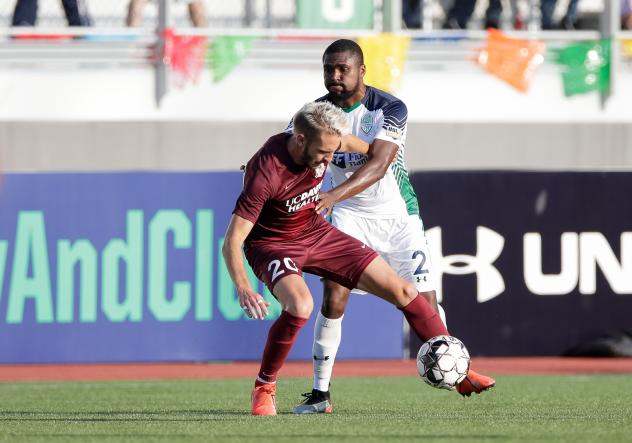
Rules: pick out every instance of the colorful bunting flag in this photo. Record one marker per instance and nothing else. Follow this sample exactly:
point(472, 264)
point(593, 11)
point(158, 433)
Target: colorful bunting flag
point(226, 53)
point(384, 56)
point(586, 66)
point(626, 45)
point(184, 55)
point(513, 60)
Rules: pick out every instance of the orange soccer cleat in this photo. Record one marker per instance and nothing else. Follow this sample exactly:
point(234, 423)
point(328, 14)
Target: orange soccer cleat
point(474, 383)
point(264, 399)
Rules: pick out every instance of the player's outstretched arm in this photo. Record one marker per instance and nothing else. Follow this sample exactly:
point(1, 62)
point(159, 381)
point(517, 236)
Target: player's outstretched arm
point(352, 143)
point(381, 154)
point(252, 302)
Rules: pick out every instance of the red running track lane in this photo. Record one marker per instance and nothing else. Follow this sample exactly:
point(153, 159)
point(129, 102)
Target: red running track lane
point(347, 368)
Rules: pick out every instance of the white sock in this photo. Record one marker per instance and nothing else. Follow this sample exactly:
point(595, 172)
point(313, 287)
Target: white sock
point(442, 315)
point(327, 336)
point(260, 380)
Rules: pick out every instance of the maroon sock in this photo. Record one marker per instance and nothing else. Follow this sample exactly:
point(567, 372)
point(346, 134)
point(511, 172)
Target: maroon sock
point(424, 320)
point(281, 338)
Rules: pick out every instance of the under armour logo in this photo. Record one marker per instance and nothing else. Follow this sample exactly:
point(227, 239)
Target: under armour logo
point(489, 246)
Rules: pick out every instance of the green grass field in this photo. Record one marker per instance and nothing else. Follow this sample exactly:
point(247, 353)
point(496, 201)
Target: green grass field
point(522, 408)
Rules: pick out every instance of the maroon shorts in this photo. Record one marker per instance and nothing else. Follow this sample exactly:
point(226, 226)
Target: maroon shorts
point(324, 251)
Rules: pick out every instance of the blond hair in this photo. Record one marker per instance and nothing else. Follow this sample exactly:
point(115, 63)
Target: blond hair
point(316, 117)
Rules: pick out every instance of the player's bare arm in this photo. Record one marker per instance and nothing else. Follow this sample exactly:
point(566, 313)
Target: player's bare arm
point(380, 156)
point(352, 143)
point(252, 302)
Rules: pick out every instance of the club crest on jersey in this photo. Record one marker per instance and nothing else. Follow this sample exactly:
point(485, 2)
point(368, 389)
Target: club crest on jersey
point(366, 124)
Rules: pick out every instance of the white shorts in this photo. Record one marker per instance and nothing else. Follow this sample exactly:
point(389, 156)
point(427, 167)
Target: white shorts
point(399, 241)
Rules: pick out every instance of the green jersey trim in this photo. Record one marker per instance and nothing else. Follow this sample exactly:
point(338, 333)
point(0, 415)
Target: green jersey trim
point(405, 187)
point(352, 107)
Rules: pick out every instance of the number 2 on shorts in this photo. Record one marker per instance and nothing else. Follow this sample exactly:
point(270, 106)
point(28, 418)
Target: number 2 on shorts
point(420, 269)
point(276, 264)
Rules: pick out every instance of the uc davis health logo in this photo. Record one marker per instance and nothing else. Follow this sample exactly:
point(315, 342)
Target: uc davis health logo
point(489, 246)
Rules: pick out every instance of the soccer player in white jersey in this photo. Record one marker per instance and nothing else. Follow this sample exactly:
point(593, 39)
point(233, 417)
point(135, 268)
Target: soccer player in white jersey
point(375, 203)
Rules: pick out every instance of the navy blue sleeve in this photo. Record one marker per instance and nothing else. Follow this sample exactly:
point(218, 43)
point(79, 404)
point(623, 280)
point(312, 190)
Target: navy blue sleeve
point(394, 124)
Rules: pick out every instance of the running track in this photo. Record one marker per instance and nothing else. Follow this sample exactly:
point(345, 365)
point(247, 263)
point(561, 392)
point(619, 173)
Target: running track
point(346, 368)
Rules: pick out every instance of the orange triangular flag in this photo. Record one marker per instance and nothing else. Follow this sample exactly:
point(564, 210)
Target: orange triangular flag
point(513, 60)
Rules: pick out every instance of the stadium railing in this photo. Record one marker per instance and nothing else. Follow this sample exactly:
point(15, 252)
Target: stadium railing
point(108, 44)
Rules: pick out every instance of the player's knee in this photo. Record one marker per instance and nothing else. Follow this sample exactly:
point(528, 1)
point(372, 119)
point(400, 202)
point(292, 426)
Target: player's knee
point(409, 293)
point(301, 307)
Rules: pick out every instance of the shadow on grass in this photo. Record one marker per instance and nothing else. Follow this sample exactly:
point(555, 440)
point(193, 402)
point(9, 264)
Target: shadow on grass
point(97, 416)
point(194, 415)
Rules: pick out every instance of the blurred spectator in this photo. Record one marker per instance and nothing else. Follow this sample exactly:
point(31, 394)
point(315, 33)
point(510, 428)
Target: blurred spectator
point(568, 22)
point(197, 13)
point(626, 14)
point(411, 13)
point(25, 13)
point(493, 14)
point(459, 14)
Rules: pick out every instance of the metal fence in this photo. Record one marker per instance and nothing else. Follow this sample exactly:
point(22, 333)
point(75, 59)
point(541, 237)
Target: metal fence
point(109, 43)
point(113, 13)
point(281, 13)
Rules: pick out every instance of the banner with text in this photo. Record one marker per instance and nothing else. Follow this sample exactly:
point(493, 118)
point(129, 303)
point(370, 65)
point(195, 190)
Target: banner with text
point(533, 263)
point(128, 267)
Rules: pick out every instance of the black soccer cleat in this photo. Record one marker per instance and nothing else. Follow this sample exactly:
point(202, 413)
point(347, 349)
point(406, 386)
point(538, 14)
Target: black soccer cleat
point(316, 402)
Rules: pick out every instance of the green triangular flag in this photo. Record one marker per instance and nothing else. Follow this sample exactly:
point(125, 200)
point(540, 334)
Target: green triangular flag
point(587, 66)
point(226, 53)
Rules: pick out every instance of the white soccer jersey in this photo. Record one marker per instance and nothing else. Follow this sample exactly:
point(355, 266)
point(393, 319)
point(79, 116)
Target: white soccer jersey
point(377, 116)
point(385, 216)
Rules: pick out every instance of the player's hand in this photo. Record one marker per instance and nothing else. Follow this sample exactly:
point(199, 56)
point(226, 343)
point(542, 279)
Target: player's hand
point(252, 303)
point(325, 203)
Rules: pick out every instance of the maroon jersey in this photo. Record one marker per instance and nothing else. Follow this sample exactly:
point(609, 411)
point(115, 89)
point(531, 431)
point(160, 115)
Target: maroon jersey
point(279, 196)
point(289, 236)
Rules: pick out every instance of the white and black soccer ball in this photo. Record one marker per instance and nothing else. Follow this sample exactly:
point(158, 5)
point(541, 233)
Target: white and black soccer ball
point(443, 361)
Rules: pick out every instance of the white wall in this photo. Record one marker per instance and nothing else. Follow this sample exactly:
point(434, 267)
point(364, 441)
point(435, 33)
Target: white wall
point(460, 117)
point(464, 93)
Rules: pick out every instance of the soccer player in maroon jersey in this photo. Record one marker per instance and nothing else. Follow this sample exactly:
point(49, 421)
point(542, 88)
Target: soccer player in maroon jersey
point(283, 235)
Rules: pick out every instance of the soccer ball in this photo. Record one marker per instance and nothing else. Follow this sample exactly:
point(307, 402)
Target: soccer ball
point(443, 362)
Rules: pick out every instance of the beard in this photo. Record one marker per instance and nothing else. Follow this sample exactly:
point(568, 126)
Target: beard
point(340, 96)
point(306, 159)
point(309, 160)
point(344, 94)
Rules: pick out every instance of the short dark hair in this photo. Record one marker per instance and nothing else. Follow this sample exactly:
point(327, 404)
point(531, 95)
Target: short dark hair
point(344, 45)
